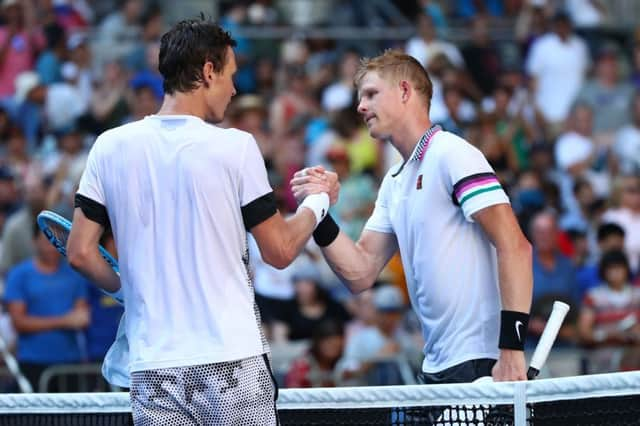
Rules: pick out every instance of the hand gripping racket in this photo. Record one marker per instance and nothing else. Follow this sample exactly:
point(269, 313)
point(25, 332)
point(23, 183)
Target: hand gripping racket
point(56, 228)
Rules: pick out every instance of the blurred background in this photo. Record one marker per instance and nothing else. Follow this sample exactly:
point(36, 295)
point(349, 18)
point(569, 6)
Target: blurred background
point(546, 89)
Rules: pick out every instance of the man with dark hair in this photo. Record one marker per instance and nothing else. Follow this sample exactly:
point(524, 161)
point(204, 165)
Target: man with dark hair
point(181, 195)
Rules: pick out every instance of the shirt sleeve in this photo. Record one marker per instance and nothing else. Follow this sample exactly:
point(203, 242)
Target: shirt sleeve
point(90, 183)
point(473, 181)
point(256, 196)
point(380, 220)
point(14, 290)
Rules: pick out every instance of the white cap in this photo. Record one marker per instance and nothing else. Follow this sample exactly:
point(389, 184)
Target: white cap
point(388, 298)
point(69, 71)
point(25, 82)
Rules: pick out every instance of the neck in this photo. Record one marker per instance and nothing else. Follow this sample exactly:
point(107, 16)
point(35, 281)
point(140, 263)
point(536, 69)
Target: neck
point(409, 133)
point(46, 265)
point(183, 104)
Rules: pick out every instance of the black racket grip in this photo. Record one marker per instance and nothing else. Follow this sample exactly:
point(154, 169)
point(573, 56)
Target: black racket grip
point(532, 373)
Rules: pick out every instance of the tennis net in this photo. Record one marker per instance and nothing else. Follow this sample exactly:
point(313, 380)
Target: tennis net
point(606, 399)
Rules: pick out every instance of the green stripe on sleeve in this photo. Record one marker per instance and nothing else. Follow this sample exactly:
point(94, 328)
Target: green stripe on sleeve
point(478, 192)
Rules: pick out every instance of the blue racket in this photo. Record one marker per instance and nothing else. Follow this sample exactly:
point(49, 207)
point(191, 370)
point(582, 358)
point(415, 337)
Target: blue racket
point(56, 228)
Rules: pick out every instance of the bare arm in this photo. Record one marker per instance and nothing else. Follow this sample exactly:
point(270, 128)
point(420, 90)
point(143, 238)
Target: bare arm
point(84, 256)
point(358, 264)
point(514, 256)
point(75, 319)
point(280, 241)
point(515, 277)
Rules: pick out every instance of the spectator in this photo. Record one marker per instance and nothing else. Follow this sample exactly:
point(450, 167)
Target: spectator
point(8, 193)
point(47, 302)
point(17, 235)
point(340, 93)
point(316, 368)
point(383, 341)
point(311, 306)
point(49, 63)
point(557, 64)
point(627, 215)
point(553, 273)
point(577, 157)
point(610, 238)
point(294, 100)
point(610, 313)
point(27, 108)
point(109, 106)
point(482, 57)
point(145, 101)
point(119, 33)
point(531, 23)
point(606, 93)
point(426, 45)
point(626, 147)
point(357, 193)
point(103, 325)
point(17, 158)
point(20, 41)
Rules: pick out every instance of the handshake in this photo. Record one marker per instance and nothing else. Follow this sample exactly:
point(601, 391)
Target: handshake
point(308, 182)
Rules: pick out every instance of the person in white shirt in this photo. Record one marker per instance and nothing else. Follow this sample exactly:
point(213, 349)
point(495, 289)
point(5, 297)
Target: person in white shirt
point(466, 261)
point(180, 195)
point(557, 64)
point(426, 45)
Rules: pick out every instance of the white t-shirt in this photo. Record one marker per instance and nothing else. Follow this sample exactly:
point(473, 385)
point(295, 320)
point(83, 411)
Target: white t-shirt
point(559, 68)
point(180, 195)
point(449, 263)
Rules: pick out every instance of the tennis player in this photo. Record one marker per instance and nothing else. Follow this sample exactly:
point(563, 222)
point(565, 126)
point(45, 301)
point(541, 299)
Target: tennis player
point(467, 263)
point(180, 195)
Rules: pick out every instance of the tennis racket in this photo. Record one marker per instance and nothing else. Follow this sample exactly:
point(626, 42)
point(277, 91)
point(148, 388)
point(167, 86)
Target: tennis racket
point(549, 334)
point(56, 228)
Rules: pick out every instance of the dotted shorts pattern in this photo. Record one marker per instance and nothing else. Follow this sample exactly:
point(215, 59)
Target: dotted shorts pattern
point(234, 393)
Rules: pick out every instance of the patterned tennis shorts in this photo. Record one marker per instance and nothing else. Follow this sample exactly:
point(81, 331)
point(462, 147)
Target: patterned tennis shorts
point(238, 393)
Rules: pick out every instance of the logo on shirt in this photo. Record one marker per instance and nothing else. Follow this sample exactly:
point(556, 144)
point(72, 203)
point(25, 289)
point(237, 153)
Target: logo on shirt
point(419, 183)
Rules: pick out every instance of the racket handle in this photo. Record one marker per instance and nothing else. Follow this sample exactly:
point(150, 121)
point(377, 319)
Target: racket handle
point(532, 373)
point(549, 334)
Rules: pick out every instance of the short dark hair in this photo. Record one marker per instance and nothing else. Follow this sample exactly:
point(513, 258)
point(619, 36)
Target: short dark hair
point(607, 229)
point(613, 258)
point(184, 50)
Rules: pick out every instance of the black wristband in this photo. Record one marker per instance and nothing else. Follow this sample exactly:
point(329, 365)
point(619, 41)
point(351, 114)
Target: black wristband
point(326, 231)
point(513, 330)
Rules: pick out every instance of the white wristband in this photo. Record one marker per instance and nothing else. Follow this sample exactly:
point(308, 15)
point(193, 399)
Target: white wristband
point(318, 204)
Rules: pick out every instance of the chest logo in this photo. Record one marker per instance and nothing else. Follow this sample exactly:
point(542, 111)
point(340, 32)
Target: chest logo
point(419, 182)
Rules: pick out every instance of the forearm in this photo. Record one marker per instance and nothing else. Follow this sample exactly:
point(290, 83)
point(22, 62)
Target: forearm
point(93, 267)
point(294, 236)
point(516, 277)
point(32, 324)
point(350, 263)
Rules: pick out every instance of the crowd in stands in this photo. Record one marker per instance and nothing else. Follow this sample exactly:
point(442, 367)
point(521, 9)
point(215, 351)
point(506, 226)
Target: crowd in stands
point(555, 108)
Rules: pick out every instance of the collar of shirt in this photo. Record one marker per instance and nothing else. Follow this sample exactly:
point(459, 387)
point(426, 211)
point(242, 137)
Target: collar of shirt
point(421, 147)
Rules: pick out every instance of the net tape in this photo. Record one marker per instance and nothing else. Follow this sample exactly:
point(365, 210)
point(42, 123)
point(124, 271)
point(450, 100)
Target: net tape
point(520, 398)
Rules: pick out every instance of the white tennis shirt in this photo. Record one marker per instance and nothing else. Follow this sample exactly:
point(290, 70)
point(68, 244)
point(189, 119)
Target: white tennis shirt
point(449, 263)
point(179, 193)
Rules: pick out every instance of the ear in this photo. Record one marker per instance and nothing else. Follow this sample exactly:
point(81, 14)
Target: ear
point(405, 89)
point(208, 72)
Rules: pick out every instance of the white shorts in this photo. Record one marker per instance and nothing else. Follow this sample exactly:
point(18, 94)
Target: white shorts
point(239, 392)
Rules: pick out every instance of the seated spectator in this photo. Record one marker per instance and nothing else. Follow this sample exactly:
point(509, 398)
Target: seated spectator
point(311, 305)
point(553, 277)
point(47, 302)
point(626, 147)
point(627, 215)
point(610, 313)
point(610, 237)
point(316, 368)
point(608, 95)
point(372, 354)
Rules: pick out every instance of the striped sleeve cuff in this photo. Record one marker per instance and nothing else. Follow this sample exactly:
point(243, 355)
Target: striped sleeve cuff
point(478, 191)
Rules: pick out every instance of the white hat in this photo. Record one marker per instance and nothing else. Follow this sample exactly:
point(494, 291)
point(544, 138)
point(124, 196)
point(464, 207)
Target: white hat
point(25, 82)
point(388, 298)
